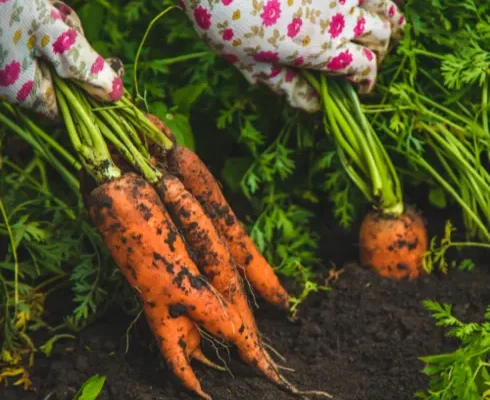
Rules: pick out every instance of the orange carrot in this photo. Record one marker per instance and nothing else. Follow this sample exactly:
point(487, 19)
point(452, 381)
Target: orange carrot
point(211, 251)
point(393, 246)
point(197, 179)
point(147, 247)
point(177, 343)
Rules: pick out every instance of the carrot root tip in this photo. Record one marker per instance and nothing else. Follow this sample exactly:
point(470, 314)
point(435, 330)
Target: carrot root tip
point(199, 356)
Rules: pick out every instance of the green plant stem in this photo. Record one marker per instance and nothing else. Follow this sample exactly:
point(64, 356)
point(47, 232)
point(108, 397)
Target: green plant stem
point(44, 152)
point(44, 136)
point(445, 185)
point(357, 138)
point(142, 43)
point(444, 90)
point(142, 124)
point(175, 60)
point(392, 201)
point(97, 159)
point(131, 153)
point(129, 128)
point(428, 54)
point(450, 148)
point(14, 254)
point(68, 211)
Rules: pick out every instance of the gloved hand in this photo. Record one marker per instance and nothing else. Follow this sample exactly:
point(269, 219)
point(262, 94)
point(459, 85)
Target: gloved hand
point(264, 38)
point(31, 30)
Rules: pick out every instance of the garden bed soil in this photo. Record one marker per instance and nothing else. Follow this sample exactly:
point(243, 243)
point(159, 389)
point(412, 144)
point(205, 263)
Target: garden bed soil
point(360, 341)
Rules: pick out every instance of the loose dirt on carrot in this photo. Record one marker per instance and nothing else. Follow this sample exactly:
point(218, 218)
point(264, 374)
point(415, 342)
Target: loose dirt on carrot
point(359, 341)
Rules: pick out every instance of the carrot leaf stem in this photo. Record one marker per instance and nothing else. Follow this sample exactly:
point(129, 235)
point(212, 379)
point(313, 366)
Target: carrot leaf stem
point(363, 156)
point(95, 156)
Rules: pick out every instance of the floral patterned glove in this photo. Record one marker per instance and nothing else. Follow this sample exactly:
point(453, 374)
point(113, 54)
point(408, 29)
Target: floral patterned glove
point(265, 38)
point(31, 30)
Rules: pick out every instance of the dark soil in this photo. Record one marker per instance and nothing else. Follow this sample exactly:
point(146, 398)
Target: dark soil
point(359, 341)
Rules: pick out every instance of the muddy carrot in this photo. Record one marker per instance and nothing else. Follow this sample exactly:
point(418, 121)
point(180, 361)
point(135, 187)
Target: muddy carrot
point(176, 342)
point(147, 247)
point(210, 250)
point(197, 179)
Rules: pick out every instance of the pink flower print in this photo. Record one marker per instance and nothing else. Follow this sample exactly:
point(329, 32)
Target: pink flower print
point(97, 66)
point(294, 27)
point(25, 91)
point(368, 54)
point(275, 71)
point(227, 34)
point(361, 2)
point(391, 11)
point(401, 20)
point(336, 25)
point(226, 2)
point(55, 14)
point(343, 60)
point(117, 89)
point(64, 9)
point(3, 1)
point(299, 61)
point(10, 74)
point(341, 2)
point(65, 41)
point(271, 12)
point(266, 56)
point(182, 5)
point(202, 17)
point(290, 74)
point(360, 26)
point(230, 58)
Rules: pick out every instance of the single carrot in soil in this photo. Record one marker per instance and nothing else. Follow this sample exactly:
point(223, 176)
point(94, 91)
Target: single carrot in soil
point(147, 247)
point(392, 238)
point(199, 181)
point(211, 252)
point(394, 246)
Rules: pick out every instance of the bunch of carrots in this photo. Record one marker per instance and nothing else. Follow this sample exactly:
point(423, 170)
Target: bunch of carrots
point(171, 232)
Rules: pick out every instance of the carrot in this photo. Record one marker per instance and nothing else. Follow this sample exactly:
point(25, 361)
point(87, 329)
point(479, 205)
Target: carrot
point(197, 179)
point(211, 251)
point(176, 343)
point(394, 246)
point(147, 247)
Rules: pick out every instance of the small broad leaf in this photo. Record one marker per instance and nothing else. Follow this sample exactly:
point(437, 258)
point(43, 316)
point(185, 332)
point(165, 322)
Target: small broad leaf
point(91, 389)
point(437, 197)
point(184, 97)
point(181, 128)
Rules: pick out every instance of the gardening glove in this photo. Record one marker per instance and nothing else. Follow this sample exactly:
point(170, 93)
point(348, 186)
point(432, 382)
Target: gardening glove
point(266, 39)
point(36, 33)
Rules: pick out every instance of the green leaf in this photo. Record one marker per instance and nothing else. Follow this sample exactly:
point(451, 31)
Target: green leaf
point(185, 97)
point(437, 197)
point(181, 128)
point(178, 123)
point(47, 348)
point(92, 16)
point(91, 389)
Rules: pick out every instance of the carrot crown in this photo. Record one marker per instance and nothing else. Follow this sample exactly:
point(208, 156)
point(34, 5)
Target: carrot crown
point(89, 123)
